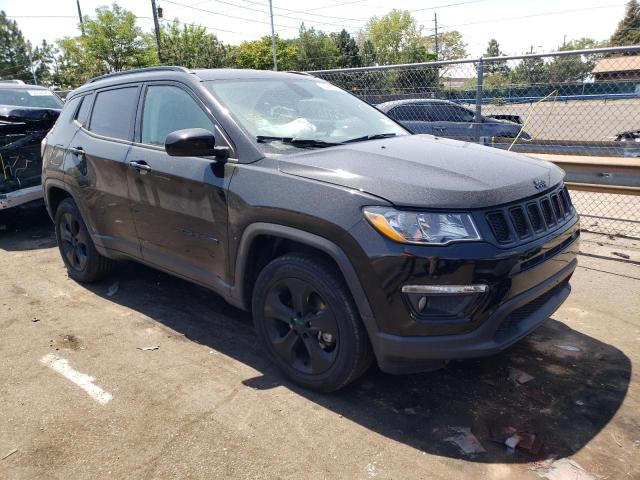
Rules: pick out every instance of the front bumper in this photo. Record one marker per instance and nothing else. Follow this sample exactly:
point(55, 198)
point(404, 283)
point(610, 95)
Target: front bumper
point(509, 323)
point(525, 284)
point(19, 197)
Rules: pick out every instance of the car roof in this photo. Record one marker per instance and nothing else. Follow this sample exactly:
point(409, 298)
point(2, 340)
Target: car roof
point(21, 86)
point(182, 73)
point(385, 106)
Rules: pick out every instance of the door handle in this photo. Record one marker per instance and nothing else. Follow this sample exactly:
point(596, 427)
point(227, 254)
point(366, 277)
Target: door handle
point(140, 166)
point(77, 151)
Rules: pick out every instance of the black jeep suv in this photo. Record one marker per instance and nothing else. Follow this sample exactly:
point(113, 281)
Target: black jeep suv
point(348, 238)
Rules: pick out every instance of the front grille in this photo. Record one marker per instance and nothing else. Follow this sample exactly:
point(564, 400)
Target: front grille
point(519, 222)
point(499, 226)
point(532, 218)
point(535, 217)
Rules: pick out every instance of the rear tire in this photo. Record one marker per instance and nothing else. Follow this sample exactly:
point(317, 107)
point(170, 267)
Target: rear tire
point(308, 323)
point(79, 254)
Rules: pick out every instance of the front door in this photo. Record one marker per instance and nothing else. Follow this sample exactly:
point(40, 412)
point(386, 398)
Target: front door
point(179, 204)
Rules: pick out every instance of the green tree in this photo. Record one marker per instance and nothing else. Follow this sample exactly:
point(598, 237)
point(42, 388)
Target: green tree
point(315, 50)
point(529, 71)
point(628, 31)
point(495, 67)
point(574, 68)
point(349, 52)
point(46, 63)
point(14, 51)
point(450, 45)
point(396, 38)
point(257, 54)
point(191, 46)
point(112, 43)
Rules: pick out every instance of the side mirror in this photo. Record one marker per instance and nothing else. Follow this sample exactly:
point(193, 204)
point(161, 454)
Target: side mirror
point(194, 142)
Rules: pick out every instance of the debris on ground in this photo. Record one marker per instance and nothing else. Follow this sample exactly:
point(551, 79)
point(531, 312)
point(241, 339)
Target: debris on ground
point(621, 255)
point(113, 289)
point(466, 441)
point(565, 469)
point(9, 454)
point(569, 348)
point(35, 319)
point(522, 437)
point(410, 411)
point(148, 349)
point(518, 376)
point(580, 403)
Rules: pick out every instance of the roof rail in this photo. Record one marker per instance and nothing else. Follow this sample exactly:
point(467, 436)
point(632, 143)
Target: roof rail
point(296, 72)
point(141, 70)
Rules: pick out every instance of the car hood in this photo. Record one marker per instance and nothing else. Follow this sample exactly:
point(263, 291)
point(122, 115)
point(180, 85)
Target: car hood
point(425, 171)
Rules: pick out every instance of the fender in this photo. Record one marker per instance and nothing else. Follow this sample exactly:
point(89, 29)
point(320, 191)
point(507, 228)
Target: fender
point(236, 293)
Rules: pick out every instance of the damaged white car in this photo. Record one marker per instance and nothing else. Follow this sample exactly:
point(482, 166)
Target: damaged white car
point(27, 113)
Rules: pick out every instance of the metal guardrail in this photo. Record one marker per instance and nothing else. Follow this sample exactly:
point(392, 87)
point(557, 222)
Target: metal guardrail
point(598, 174)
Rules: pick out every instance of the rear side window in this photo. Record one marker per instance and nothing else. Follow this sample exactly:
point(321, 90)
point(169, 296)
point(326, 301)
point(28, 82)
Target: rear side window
point(114, 113)
point(168, 108)
point(68, 111)
point(416, 113)
point(83, 112)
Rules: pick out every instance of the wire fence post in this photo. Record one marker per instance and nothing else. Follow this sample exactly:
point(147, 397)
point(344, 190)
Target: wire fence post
point(477, 121)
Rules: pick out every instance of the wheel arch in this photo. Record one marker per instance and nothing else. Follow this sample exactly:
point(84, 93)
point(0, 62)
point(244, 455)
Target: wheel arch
point(54, 194)
point(251, 243)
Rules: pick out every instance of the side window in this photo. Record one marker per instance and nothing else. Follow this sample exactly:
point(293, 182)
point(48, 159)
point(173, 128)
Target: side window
point(168, 108)
point(441, 113)
point(67, 113)
point(463, 115)
point(69, 110)
point(407, 113)
point(82, 116)
point(114, 112)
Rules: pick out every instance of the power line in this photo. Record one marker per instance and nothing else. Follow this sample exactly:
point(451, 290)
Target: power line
point(259, 11)
point(287, 27)
point(558, 12)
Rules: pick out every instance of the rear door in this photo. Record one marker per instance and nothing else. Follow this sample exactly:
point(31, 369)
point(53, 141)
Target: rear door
point(179, 204)
point(95, 167)
point(453, 121)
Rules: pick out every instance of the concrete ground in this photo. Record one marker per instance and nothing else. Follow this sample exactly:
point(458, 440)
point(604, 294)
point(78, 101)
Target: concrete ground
point(206, 404)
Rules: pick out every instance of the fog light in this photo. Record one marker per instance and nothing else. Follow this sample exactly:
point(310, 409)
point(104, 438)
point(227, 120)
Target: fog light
point(422, 303)
point(443, 301)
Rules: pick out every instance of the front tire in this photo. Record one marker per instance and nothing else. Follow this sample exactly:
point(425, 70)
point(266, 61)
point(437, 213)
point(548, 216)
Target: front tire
point(79, 254)
point(308, 323)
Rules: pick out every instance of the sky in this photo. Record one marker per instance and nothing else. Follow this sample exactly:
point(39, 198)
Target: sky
point(518, 25)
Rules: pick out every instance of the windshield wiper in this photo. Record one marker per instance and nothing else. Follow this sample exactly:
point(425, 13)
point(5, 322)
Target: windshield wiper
point(296, 142)
point(375, 136)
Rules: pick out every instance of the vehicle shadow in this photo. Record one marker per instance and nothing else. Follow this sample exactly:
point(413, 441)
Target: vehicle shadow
point(573, 395)
point(27, 227)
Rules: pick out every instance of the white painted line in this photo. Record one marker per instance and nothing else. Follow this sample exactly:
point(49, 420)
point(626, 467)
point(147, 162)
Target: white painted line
point(84, 381)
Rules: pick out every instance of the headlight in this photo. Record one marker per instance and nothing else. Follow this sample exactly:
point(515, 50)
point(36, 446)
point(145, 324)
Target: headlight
point(429, 228)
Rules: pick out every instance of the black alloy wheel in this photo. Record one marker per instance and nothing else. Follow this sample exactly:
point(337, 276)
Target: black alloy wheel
point(308, 323)
point(302, 327)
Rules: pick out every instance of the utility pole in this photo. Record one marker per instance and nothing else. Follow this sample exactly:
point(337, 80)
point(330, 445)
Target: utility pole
point(80, 16)
point(33, 71)
point(435, 21)
point(156, 25)
point(273, 39)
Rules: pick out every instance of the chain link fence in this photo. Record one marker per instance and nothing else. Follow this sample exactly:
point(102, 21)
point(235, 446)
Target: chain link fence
point(583, 103)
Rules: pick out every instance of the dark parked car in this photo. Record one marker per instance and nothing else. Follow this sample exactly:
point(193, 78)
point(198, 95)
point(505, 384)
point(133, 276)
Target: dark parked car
point(27, 112)
point(447, 119)
point(346, 237)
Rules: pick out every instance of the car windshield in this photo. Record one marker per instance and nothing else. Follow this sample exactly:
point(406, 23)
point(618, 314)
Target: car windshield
point(283, 115)
point(26, 97)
